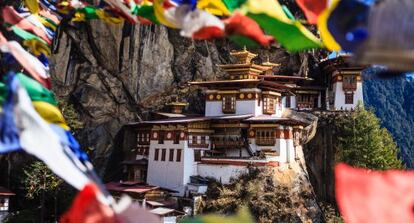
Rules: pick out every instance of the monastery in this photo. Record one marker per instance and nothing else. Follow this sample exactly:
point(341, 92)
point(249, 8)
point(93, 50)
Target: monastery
point(246, 123)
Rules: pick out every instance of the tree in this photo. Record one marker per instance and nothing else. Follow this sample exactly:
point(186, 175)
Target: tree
point(40, 180)
point(363, 143)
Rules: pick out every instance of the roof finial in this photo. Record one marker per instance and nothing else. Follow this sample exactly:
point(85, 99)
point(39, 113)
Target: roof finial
point(268, 59)
point(244, 48)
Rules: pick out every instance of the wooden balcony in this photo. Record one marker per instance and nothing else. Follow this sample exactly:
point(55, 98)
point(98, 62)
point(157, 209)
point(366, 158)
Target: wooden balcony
point(225, 144)
point(265, 141)
point(144, 143)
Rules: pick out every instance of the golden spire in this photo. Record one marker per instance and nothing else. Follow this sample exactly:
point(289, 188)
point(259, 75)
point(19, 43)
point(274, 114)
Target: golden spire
point(244, 56)
point(269, 64)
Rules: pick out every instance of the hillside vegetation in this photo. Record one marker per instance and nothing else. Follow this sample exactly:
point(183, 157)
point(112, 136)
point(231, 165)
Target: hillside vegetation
point(393, 102)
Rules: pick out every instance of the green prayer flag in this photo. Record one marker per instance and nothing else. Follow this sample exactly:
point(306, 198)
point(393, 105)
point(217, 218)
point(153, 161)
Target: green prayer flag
point(89, 12)
point(26, 35)
point(35, 90)
point(146, 11)
point(292, 35)
point(243, 41)
point(233, 4)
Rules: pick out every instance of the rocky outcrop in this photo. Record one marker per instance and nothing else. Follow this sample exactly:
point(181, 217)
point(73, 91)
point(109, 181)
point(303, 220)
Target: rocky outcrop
point(321, 155)
point(116, 74)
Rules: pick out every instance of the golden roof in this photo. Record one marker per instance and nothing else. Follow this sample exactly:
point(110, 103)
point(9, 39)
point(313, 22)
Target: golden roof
point(244, 56)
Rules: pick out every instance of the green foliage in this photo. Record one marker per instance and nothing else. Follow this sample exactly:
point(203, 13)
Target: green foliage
point(242, 216)
point(393, 101)
point(257, 190)
point(71, 116)
point(331, 215)
point(363, 143)
point(40, 179)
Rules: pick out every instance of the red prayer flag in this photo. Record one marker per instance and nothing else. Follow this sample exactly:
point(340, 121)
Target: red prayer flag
point(12, 17)
point(3, 39)
point(374, 196)
point(312, 9)
point(208, 32)
point(239, 24)
point(87, 209)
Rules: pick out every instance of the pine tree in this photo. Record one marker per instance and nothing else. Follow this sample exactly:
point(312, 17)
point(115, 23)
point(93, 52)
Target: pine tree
point(363, 143)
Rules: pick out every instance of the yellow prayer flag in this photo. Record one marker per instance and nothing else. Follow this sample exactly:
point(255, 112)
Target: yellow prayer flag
point(32, 5)
point(50, 113)
point(213, 7)
point(327, 38)
point(270, 7)
point(160, 14)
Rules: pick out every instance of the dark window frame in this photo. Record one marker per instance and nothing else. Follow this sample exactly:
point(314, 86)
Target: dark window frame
point(171, 155)
point(156, 154)
point(163, 154)
point(177, 138)
point(287, 101)
point(349, 98)
point(178, 155)
point(229, 104)
point(161, 137)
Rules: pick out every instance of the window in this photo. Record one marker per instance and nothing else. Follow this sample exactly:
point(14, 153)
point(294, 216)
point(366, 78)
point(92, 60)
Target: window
point(161, 136)
point(157, 151)
point(163, 154)
point(268, 105)
point(203, 140)
point(349, 82)
point(146, 151)
point(197, 155)
point(287, 101)
point(349, 98)
point(139, 138)
point(178, 159)
point(265, 137)
point(177, 138)
point(171, 156)
point(194, 140)
point(229, 104)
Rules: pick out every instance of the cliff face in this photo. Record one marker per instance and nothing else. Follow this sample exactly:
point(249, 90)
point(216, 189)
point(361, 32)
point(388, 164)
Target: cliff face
point(116, 74)
point(320, 155)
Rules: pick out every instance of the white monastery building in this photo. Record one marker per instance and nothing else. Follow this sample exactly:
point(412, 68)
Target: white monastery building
point(245, 124)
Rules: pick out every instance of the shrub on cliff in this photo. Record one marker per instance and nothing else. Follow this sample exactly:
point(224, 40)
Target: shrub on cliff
point(267, 201)
point(363, 143)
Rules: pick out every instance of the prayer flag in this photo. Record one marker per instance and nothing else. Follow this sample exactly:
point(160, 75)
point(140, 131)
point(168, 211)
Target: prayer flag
point(9, 134)
point(233, 4)
point(87, 208)
point(50, 113)
point(214, 7)
point(198, 22)
point(348, 24)
point(38, 139)
point(239, 24)
point(12, 17)
point(290, 34)
point(27, 61)
point(374, 197)
point(32, 5)
point(312, 9)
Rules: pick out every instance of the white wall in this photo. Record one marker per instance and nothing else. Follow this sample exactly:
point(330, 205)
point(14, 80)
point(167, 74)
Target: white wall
point(340, 97)
point(214, 108)
point(222, 173)
point(247, 107)
point(290, 149)
point(243, 107)
point(172, 175)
